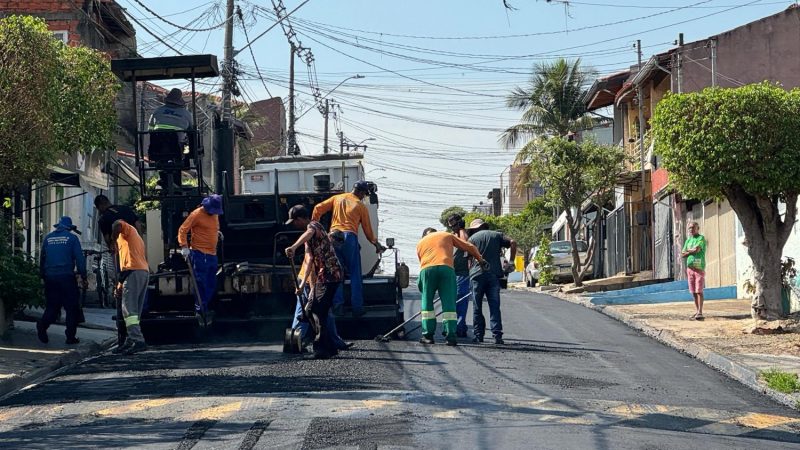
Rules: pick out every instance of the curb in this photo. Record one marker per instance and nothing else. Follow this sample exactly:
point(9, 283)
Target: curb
point(737, 371)
point(12, 385)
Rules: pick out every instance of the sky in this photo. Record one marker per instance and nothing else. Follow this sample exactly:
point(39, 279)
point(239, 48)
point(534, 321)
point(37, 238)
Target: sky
point(436, 73)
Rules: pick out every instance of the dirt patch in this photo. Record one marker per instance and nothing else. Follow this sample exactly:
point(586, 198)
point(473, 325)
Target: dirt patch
point(723, 329)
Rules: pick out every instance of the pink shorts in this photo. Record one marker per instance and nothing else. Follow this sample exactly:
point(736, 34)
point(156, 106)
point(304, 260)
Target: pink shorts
point(696, 278)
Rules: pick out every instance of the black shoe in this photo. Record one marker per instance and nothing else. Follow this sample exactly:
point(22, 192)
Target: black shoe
point(477, 340)
point(42, 333)
point(136, 347)
point(73, 341)
point(119, 349)
point(452, 343)
point(426, 340)
point(499, 341)
point(348, 345)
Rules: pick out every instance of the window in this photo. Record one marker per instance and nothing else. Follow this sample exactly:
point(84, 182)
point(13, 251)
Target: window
point(61, 35)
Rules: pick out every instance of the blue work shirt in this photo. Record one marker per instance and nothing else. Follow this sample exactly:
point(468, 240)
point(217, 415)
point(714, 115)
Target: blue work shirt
point(61, 251)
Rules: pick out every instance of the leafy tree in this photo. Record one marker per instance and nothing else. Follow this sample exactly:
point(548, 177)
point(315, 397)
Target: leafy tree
point(448, 212)
point(54, 99)
point(572, 174)
point(742, 144)
point(526, 227)
point(20, 284)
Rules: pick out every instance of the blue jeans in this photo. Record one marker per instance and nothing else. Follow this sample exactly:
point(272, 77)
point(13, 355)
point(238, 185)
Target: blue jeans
point(462, 304)
point(486, 284)
point(350, 257)
point(330, 328)
point(205, 274)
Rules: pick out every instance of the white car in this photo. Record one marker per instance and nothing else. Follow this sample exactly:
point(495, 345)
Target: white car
point(562, 261)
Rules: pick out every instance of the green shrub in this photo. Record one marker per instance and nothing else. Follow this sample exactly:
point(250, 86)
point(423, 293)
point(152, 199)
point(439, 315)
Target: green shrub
point(544, 261)
point(781, 381)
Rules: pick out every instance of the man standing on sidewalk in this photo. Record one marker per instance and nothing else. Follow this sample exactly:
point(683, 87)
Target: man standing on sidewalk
point(203, 224)
point(694, 250)
point(349, 212)
point(487, 283)
point(436, 274)
point(132, 283)
point(461, 266)
point(61, 253)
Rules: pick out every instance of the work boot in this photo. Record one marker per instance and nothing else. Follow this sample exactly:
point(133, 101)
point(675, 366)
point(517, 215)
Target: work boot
point(73, 341)
point(122, 348)
point(136, 347)
point(499, 340)
point(426, 340)
point(477, 340)
point(452, 342)
point(41, 331)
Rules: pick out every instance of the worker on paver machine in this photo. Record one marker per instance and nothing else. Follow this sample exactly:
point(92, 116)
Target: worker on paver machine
point(348, 213)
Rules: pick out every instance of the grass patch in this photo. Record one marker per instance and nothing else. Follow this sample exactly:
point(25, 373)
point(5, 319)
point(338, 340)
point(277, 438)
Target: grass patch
point(781, 381)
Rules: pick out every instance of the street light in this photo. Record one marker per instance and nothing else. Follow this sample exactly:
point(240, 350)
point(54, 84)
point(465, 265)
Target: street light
point(365, 140)
point(352, 77)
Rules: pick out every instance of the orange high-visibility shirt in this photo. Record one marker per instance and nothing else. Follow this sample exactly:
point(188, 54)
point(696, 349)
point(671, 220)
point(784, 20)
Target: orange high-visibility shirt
point(205, 231)
point(436, 249)
point(131, 249)
point(348, 212)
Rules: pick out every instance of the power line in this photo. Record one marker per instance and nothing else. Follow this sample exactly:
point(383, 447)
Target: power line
point(252, 55)
point(181, 27)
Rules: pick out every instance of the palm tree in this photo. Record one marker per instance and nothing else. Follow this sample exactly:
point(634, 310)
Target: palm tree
point(552, 103)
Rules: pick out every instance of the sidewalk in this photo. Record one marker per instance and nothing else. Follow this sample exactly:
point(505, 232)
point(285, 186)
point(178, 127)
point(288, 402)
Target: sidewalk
point(25, 360)
point(719, 340)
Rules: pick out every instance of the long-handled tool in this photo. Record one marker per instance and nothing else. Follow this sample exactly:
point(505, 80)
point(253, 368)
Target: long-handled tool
point(198, 301)
point(293, 337)
point(385, 337)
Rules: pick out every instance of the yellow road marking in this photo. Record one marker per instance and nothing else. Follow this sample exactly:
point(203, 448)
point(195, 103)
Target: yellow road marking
point(377, 404)
point(217, 412)
point(636, 410)
point(579, 420)
point(450, 414)
point(759, 421)
point(137, 406)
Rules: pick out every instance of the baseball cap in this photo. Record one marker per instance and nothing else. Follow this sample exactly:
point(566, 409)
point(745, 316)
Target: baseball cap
point(296, 212)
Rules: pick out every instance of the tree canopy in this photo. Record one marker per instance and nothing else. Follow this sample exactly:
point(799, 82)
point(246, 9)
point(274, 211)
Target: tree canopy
point(54, 100)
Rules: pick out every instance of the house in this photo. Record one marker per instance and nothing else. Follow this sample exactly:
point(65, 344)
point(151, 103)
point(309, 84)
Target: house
point(761, 50)
point(513, 199)
point(269, 127)
point(86, 173)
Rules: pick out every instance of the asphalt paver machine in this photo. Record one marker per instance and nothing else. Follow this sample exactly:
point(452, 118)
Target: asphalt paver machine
point(255, 285)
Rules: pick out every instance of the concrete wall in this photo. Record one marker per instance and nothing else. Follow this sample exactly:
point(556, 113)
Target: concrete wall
point(766, 49)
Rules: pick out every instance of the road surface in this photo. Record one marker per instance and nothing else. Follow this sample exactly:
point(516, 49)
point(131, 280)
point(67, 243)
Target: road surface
point(568, 378)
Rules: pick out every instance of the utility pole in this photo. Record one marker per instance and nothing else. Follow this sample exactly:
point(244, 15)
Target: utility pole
point(327, 111)
point(640, 96)
point(292, 150)
point(341, 142)
point(713, 44)
point(227, 67)
point(680, 63)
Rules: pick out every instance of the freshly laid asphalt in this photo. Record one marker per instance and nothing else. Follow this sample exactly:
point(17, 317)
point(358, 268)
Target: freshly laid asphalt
point(568, 377)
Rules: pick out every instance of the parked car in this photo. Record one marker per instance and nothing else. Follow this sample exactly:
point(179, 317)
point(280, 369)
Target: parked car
point(562, 262)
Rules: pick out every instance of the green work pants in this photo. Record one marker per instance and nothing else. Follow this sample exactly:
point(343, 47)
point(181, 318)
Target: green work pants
point(440, 279)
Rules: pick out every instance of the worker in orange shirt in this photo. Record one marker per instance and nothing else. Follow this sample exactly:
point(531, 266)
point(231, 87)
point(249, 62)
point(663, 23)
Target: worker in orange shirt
point(349, 211)
point(131, 289)
point(201, 252)
point(435, 252)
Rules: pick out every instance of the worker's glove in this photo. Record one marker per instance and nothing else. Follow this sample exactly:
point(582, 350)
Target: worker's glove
point(379, 248)
point(484, 265)
point(185, 252)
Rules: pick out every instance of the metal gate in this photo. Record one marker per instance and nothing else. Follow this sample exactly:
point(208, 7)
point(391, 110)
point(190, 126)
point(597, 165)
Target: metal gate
point(662, 235)
point(616, 242)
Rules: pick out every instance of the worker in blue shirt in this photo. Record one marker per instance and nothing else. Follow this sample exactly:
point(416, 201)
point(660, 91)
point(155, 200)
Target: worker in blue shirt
point(61, 253)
